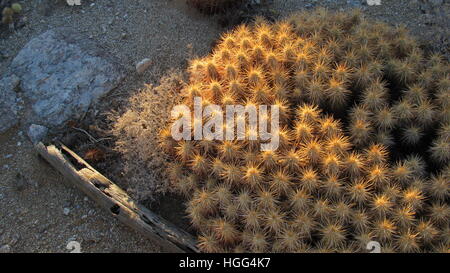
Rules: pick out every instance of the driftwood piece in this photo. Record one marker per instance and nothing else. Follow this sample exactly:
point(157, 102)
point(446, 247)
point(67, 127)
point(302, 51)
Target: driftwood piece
point(114, 200)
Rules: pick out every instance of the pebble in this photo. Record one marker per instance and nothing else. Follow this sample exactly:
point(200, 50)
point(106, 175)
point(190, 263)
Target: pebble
point(5, 249)
point(143, 65)
point(66, 211)
point(37, 133)
point(373, 2)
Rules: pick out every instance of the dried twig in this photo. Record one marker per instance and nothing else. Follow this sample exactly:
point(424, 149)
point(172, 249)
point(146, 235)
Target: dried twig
point(91, 138)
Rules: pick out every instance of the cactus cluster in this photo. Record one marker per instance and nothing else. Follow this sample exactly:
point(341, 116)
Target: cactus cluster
point(331, 185)
point(8, 13)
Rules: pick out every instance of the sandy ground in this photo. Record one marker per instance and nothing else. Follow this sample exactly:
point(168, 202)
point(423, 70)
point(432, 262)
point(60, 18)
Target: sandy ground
point(38, 212)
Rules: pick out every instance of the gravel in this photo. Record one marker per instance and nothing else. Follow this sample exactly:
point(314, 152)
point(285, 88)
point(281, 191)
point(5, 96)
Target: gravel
point(8, 103)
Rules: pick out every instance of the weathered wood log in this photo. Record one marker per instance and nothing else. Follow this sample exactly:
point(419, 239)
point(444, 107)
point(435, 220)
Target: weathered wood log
point(116, 201)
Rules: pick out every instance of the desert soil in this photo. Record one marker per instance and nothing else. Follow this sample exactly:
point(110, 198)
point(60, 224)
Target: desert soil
point(38, 212)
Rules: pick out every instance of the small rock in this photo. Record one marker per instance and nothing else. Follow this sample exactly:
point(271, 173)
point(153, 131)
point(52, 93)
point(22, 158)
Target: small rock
point(66, 211)
point(5, 249)
point(373, 2)
point(37, 132)
point(143, 65)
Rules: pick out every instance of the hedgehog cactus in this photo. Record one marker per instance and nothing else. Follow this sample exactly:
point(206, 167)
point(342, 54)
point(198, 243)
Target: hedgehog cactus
point(326, 188)
point(8, 13)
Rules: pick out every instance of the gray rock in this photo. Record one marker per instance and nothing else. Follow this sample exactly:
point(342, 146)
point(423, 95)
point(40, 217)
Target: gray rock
point(61, 74)
point(5, 249)
point(8, 103)
point(37, 132)
point(143, 65)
